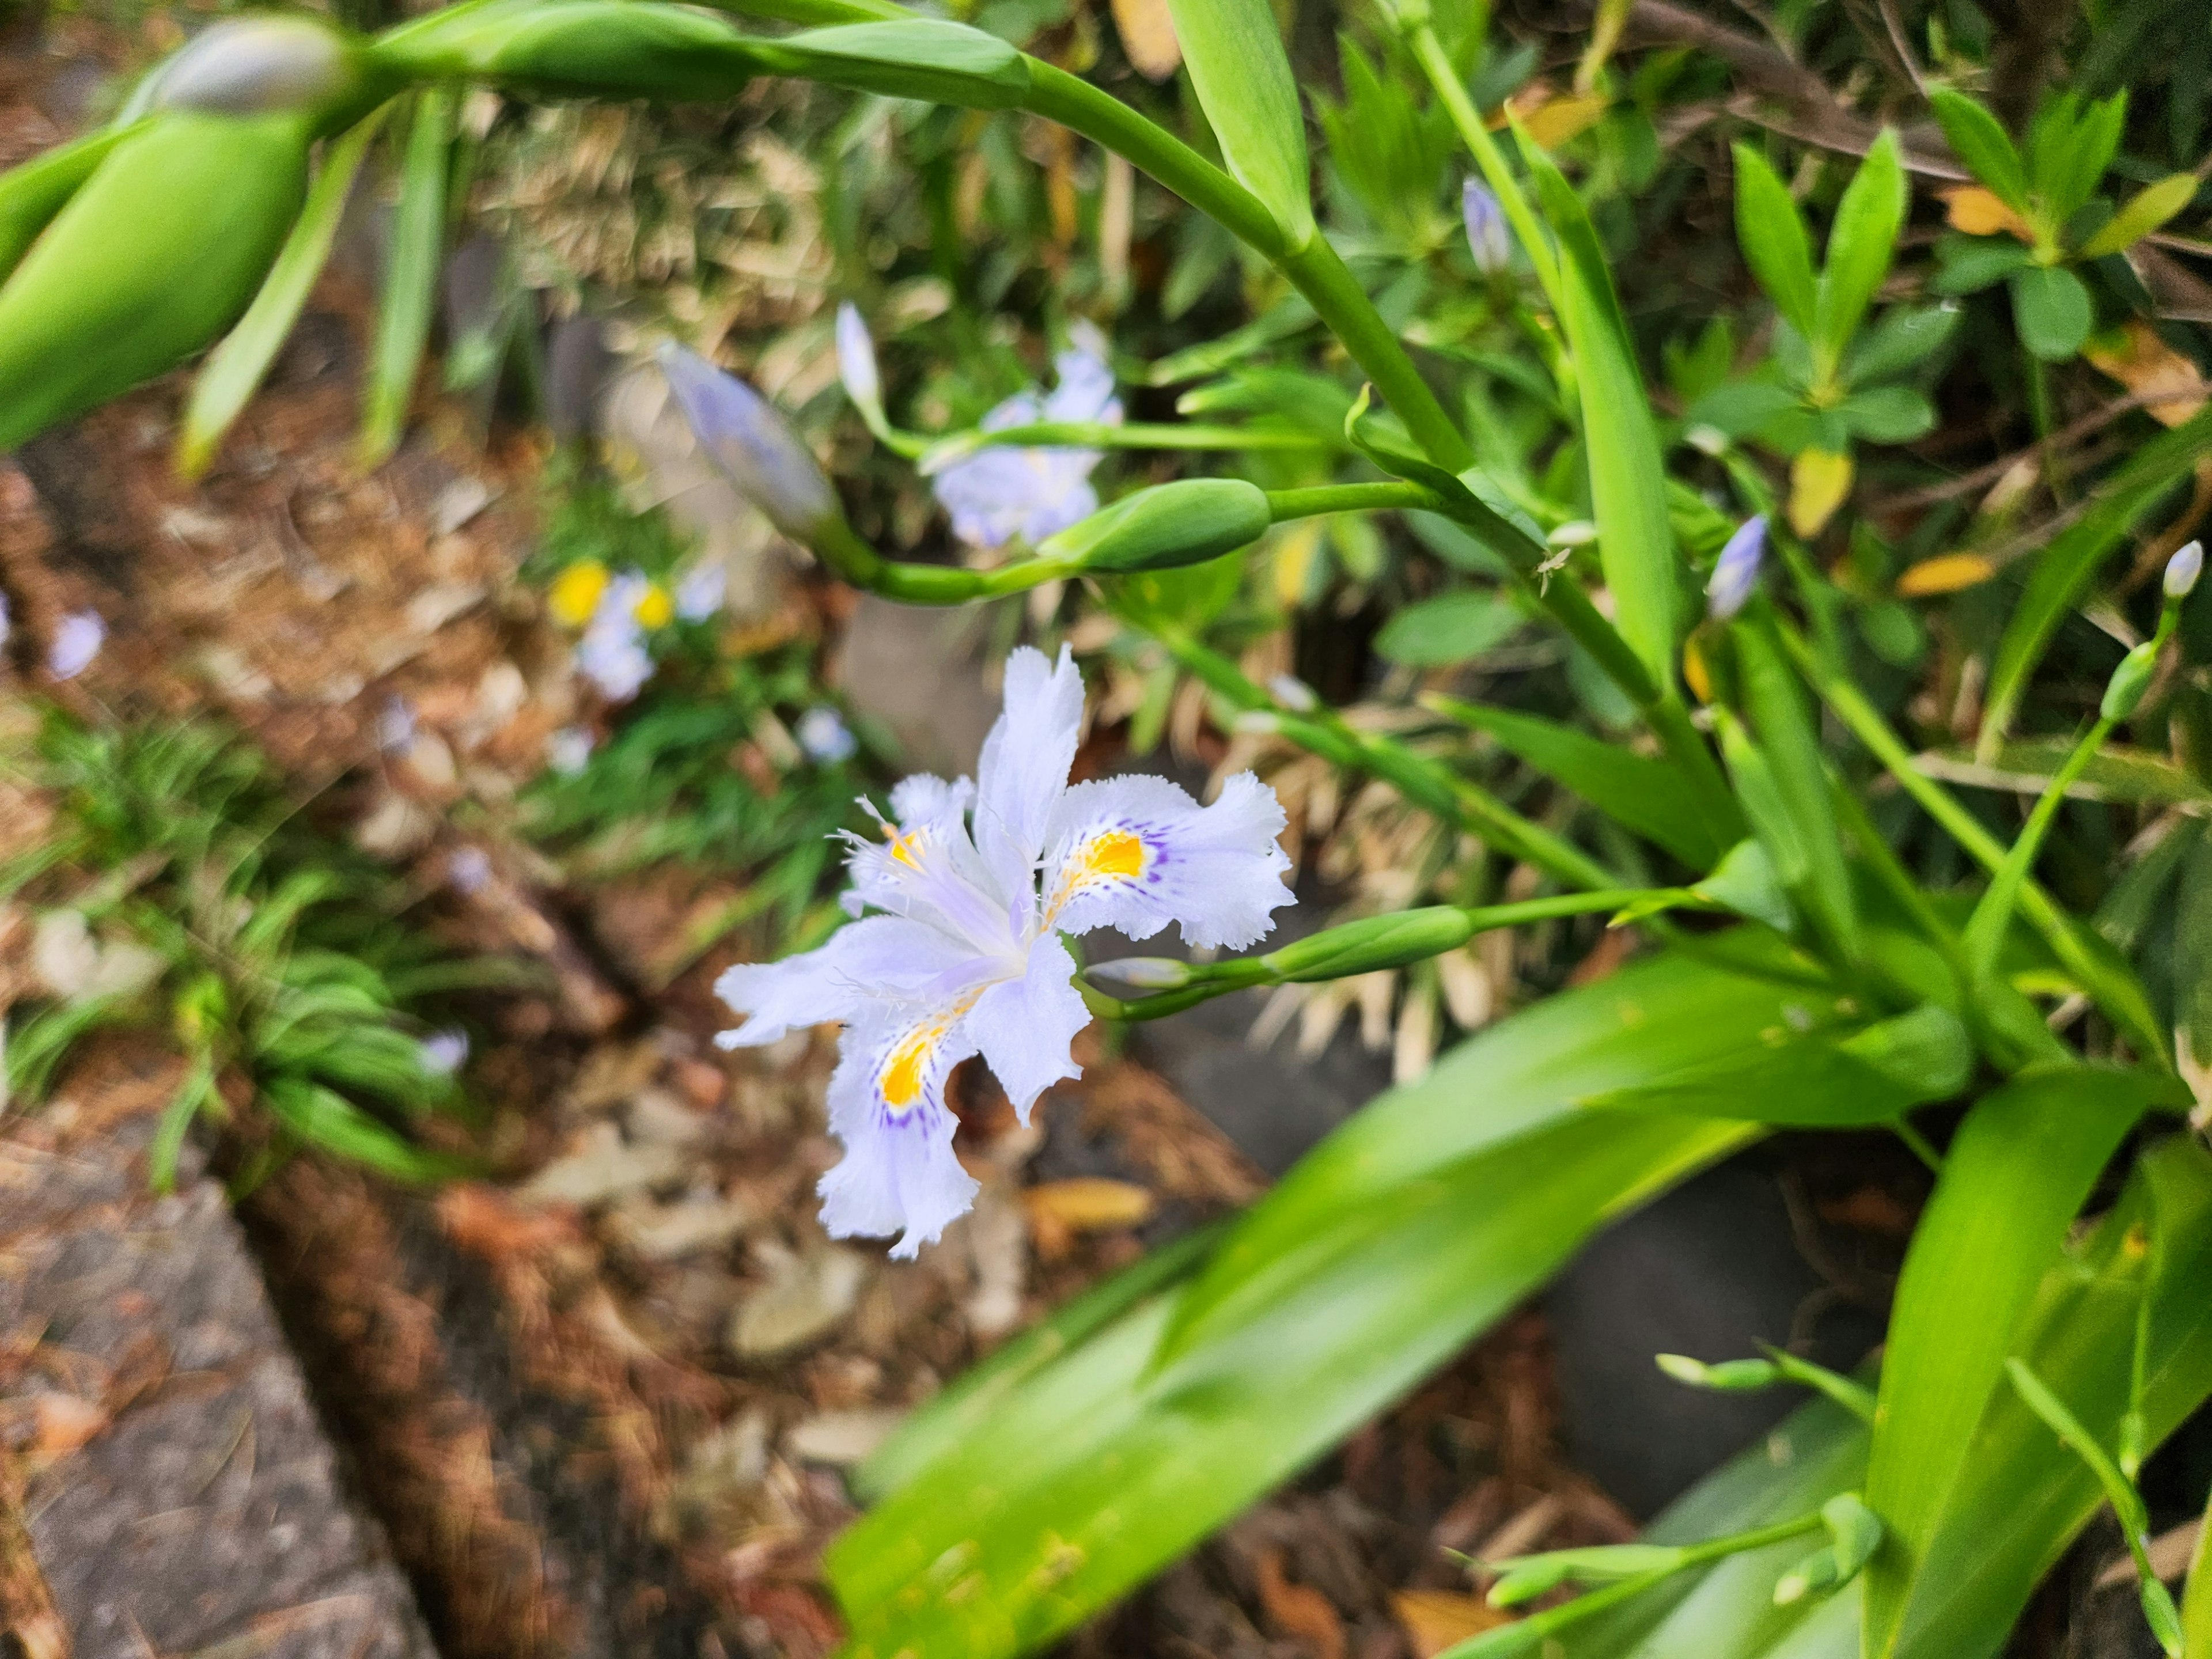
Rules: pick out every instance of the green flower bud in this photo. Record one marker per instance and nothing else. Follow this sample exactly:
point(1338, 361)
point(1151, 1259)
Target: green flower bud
point(1856, 1530)
point(1160, 528)
point(1729, 1376)
point(1817, 1572)
point(1378, 942)
point(2130, 681)
point(32, 194)
point(258, 65)
point(159, 252)
point(1532, 1575)
point(578, 48)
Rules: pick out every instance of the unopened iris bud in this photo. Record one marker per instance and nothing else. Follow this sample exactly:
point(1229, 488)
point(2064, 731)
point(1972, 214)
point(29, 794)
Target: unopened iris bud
point(1487, 237)
point(1130, 978)
point(856, 363)
point(1293, 694)
point(1817, 1572)
point(1161, 528)
point(2124, 694)
point(752, 444)
point(1736, 573)
point(155, 255)
point(582, 48)
point(1729, 1376)
point(1378, 942)
point(1856, 1530)
point(253, 65)
point(2183, 569)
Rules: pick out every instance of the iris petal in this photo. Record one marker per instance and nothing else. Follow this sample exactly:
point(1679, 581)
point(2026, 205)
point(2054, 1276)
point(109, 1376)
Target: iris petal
point(1134, 854)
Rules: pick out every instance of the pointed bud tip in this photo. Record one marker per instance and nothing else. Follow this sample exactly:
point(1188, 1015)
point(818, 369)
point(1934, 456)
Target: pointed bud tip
point(1735, 573)
point(253, 65)
point(749, 440)
point(1130, 978)
point(2183, 569)
point(856, 359)
point(1487, 237)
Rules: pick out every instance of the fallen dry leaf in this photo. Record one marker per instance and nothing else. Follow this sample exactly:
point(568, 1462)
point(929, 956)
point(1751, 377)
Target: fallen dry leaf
point(1088, 1203)
point(1947, 573)
point(1553, 120)
point(2139, 360)
point(1148, 35)
point(62, 1422)
point(1979, 213)
point(1435, 1620)
point(1299, 1610)
point(1819, 479)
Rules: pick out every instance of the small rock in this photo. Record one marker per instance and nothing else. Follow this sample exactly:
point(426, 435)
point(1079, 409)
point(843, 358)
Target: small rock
point(840, 1438)
point(701, 1084)
point(601, 1165)
point(435, 606)
point(805, 1297)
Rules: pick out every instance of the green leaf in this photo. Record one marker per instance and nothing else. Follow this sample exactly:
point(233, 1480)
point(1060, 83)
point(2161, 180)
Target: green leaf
point(31, 194)
point(326, 1119)
point(927, 59)
point(2051, 309)
point(1864, 237)
point(1452, 628)
point(1903, 340)
point(234, 369)
point(410, 279)
point(1427, 1216)
point(1887, 414)
point(1234, 52)
point(2065, 567)
point(1770, 231)
point(2014, 1178)
point(1871, 1076)
point(1648, 796)
point(1789, 736)
point(1627, 478)
point(1968, 265)
point(2145, 212)
point(1982, 145)
point(2022, 1501)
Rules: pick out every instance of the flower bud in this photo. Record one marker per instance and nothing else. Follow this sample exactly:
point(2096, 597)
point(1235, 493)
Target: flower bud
point(580, 48)
point(1729, 1376)
point(254, 65)
point(1164, 527)
point(1736, 572)
point(2183, 569)
point(1379, 942)
point(2125, 692)
point(856, 362)
point(1130, 978)
point(1856, 1530)
point(1818, 1571)
point(153, 257)
point(752, 444)
point(1293, 694)
point(1487, 237)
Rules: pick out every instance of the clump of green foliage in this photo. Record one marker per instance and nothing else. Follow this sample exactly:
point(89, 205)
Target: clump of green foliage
point(196, 901)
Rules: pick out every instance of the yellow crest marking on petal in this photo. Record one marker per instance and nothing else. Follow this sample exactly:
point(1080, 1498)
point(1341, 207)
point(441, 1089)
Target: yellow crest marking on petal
point(656, 609)
point(1117, 854)
point(900, 1084)
point(906, 849)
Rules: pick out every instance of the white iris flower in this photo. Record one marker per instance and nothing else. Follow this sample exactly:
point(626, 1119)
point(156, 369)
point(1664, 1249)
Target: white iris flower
point(611, 653)
point(999, 495)
point(972, 890)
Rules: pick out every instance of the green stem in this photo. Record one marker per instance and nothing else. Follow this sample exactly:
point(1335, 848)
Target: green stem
point(2121, 1001)
point(1525, 1635)
point(1284, 504)
point(1135, 435)
point(1445, 78)
point(1281, 967)
point(1986, 928)
point(1436, 789)
point(1318, 272)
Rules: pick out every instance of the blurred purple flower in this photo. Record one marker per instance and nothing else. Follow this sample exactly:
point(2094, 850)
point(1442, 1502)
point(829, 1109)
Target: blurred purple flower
point(1736, 572)
point(77, 639)
point(1487, 237)
point(999, 495)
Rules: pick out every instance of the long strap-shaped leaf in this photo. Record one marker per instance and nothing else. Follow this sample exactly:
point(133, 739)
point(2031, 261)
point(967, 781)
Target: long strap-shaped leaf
point(235, 368)
point(410, 284)
point(2012, 1180)
point(1628, 478)
point(1426, 1217)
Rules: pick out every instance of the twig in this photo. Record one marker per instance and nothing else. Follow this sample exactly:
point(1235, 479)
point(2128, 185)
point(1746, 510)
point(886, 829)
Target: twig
point(2065, 438)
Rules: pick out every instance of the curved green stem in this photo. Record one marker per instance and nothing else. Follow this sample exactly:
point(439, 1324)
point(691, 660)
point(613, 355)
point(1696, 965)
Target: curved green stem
point(2119, 998)
point(1285, 504)
point(1136, 435)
